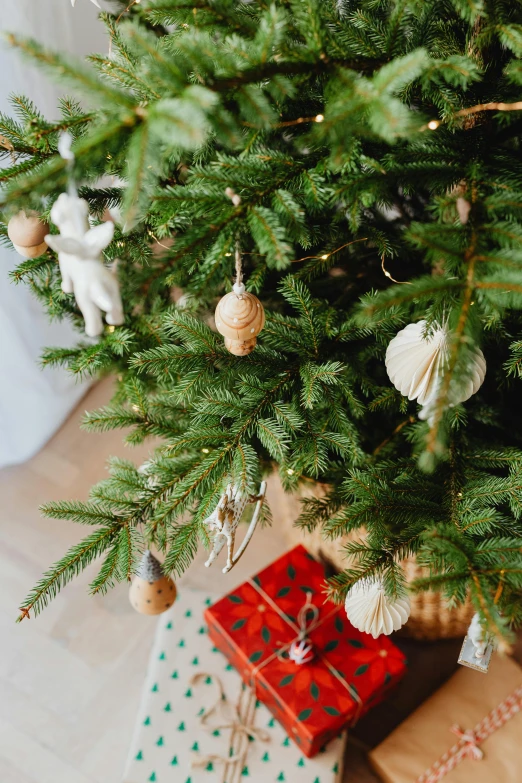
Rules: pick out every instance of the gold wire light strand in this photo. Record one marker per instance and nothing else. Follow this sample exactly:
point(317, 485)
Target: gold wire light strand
point(479, 107)
point(289, 123)
point(325, 256)
point(300, 120)
point(388, 275)
point(157, 241)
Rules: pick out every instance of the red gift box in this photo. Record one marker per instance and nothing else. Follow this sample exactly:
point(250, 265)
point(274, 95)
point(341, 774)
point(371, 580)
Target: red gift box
point(254, 627)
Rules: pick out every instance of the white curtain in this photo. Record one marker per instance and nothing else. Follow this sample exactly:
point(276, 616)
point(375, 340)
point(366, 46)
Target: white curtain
point(34, 402)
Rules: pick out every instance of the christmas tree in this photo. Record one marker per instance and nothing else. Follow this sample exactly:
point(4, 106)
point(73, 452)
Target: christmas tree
point(362, 159)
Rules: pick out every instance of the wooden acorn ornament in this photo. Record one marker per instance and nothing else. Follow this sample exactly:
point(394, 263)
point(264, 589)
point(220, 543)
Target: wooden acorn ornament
point(27, 233)
point(239, 315)
point(239, 318)
point(151, 592)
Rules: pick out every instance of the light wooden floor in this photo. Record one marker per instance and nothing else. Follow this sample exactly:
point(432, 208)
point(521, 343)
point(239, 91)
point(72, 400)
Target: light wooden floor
point(70, 679)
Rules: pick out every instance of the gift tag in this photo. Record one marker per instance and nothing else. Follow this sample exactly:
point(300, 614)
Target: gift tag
point(469, 657)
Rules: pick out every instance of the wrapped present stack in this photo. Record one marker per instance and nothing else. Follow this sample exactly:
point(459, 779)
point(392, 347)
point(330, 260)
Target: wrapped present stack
point(174, 740)
point(276, 708)
point(469, 731)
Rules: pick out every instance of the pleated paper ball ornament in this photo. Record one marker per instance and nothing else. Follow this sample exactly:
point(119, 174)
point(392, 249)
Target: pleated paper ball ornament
point(239, 318)
point(27, 233)
point(416, 365)
point(151, 592)
point(370, 610)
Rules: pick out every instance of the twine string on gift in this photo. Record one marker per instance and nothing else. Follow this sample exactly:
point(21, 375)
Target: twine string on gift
point(301, 650)
point(241, 725)
point(316, 623)
point(469, 740)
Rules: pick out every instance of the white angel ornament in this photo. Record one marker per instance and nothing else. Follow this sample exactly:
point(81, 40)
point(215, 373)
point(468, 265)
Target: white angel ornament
point(79, 249)
point(223, 522)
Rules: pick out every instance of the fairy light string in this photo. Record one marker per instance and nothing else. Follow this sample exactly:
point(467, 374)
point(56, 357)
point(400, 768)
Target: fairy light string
point(389, 276)
point(479, 107)
point(325, 256)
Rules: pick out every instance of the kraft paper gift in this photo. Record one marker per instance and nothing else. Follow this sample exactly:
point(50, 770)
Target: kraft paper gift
point(469, 731)
point(171, 745)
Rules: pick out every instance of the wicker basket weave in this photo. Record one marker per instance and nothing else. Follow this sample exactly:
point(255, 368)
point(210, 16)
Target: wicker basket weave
point(431, 618)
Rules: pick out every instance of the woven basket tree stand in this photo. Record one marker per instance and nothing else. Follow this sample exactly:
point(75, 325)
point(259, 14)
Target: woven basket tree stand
point(431, 618)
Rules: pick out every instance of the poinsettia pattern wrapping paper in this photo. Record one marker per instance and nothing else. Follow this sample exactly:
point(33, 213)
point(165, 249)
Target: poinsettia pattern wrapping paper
point(254, 626)
point(169, 733)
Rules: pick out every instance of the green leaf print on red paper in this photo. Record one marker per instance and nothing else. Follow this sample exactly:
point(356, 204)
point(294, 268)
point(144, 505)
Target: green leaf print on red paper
point(254, 627)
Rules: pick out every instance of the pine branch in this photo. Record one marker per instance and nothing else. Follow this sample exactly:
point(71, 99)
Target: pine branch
point(73, 563)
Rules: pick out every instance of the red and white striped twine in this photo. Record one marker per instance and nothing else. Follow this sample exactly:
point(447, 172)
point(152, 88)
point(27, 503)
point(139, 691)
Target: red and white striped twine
point(469, 740)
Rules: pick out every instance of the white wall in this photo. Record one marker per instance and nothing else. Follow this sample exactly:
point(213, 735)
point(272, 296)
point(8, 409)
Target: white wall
point(34, 402)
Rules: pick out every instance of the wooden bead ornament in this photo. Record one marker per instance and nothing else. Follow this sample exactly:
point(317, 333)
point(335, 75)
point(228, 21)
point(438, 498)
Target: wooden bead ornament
point(239, 318)
point(151, 592)
point(27, 233)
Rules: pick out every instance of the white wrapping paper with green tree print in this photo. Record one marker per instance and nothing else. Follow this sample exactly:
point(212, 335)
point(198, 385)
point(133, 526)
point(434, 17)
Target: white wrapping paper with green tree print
point(174, 741)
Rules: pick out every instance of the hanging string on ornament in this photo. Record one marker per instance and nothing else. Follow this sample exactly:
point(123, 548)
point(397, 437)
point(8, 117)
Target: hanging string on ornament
point(302, 650)
point(79, 249)
point(222, 523)
point(151, 592)
point(477, 647)
point(133, 2)
point(370, 610)
point(416, 364)
point(239, 315)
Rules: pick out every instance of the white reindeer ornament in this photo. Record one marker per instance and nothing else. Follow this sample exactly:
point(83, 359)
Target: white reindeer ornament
point(79, 249)
point(223, 522)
